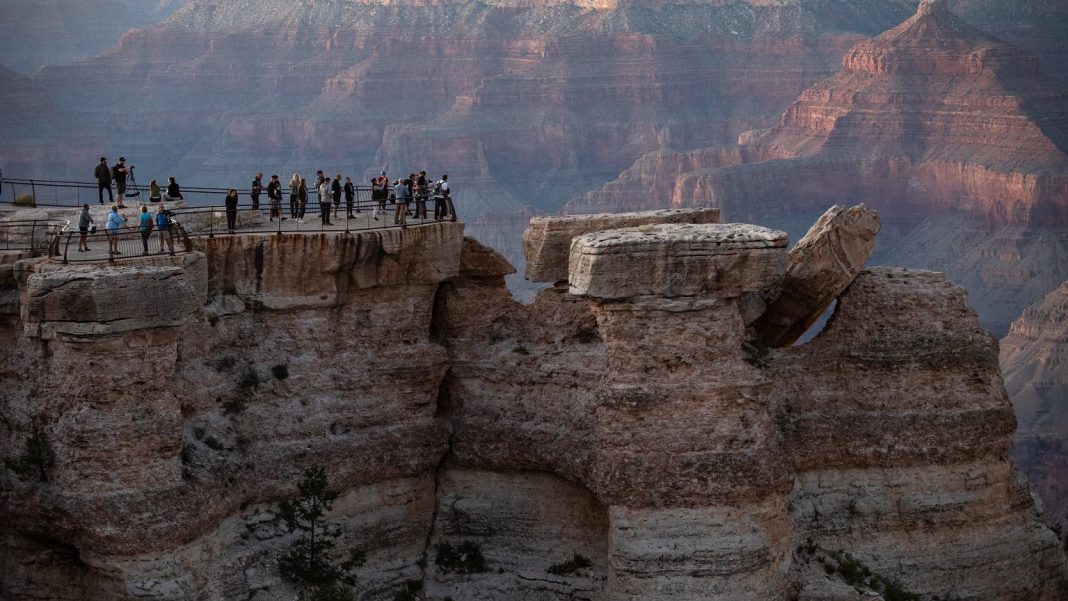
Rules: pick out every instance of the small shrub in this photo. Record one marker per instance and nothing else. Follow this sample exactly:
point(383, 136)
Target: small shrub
point(25, 200)
point(235, 405)
point(521, 350)
point(35, 459)
point(248, 378)
point(893, 591)
point(410, 591)
point(225, 364)
point(586, 335)
point(213, 443)
point(280, 371)
point(8, 282)
point(466, 558)
point(570, 566)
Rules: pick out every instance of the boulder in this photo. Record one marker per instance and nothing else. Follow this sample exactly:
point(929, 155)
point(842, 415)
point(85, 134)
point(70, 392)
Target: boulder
point(677, 260)
point(547, 240)
point(822, 265)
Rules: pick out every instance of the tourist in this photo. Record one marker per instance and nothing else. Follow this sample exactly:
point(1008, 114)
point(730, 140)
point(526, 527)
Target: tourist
point(84, 222)
point(118, 173)
point(335, 193)
point(319, 179)
point(274, 194)
point(103, 180)
point(324, 201)
point(379, 193)
point(163, 225)
point(302, 199)
point(257, 188)
point(350, 197)
point(403, 194)
point(441, 198)
point(231, 211)
point(114, 224)
point(294, 186)
point(145, 221)
point(154, 195)
point(173, 191)
point(420, 196)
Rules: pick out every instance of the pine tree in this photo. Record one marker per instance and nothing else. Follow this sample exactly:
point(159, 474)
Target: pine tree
point(312, 561)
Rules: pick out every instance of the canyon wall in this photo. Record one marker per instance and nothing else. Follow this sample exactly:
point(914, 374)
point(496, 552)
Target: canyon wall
point(940, 127)
point(626, 415)
point(1031, 359)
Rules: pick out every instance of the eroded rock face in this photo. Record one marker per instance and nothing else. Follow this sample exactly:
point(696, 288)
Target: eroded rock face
point(636, 425)
point(822, 264)
point(547, 240)
point(1032, 361)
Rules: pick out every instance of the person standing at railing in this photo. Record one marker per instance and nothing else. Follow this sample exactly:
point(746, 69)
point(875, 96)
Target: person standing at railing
point(119, 173)
point(335, 193)
point(302, 199)
point(420, 196)
point(404, 195)
point(442, 198)
point(154, 195)
point(324, 201)
point(231, 210)
point(274, 194)
point(350, 196)
point(84, 222)
point(103, 180)
point(146, 222)
point(319, 179)
point(294, 187)
point(163, 225)
point(379, 193)
point(173, 191)
point(115, 222)
point(257, 188)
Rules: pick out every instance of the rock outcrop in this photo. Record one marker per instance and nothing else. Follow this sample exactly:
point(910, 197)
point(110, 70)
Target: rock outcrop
point(634, 423)
point(547, 240)
point(1032, 359)
point(931, 119)
point(822, 265)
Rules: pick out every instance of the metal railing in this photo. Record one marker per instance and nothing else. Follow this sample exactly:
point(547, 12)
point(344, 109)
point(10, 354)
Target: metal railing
point(360, 215)
point(38, 237)
point(121, 243)
point(63, 193)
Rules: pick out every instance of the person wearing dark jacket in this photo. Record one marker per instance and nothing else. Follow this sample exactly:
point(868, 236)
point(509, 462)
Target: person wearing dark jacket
point(103, 180)
point(302, 199)
point(335, 193)
point(231, 211)
point(85, 221)
point(350, 196)
point(257, 188)
point(173, 191)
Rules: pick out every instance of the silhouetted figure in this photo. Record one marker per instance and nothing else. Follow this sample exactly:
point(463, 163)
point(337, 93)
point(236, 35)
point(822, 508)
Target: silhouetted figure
point(257, 188)
point(103, 180)
point(231, 211)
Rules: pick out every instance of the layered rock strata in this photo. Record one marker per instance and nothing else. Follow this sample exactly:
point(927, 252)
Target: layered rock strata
point(633, 422)
point(1033, 364)
point(930, 120)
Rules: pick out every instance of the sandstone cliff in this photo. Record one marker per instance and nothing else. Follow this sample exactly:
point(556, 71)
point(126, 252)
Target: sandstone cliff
point(627, 416)
point(1031, 359)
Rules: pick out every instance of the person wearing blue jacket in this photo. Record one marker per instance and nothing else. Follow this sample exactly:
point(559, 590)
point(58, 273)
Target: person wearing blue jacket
point(116, 221)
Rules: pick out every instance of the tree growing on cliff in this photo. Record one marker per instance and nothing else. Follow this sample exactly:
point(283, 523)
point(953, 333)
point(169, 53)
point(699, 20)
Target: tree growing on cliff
point(35, 459)
point(313, 561)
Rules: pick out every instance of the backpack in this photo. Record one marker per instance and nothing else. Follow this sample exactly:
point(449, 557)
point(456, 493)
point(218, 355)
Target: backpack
point(161, 220)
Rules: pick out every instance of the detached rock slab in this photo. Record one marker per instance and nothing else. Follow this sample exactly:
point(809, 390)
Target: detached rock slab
point(677, 260)
point(822, 266)
point(547, 240)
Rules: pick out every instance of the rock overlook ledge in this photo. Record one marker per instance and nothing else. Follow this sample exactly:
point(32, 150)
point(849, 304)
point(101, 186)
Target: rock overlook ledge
point(646, 412)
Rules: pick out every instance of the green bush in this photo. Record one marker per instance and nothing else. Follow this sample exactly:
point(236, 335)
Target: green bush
point(25, 200)
point(465, 558)
point(570, 566)
point(35, 459)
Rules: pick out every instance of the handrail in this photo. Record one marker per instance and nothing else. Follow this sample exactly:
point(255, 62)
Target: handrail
point(13, 235)
point(78, 186)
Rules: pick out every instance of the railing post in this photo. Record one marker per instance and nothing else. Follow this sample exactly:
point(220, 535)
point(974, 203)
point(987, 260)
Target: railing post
point(66, 248)
point(33, 193)
point(211, 221)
